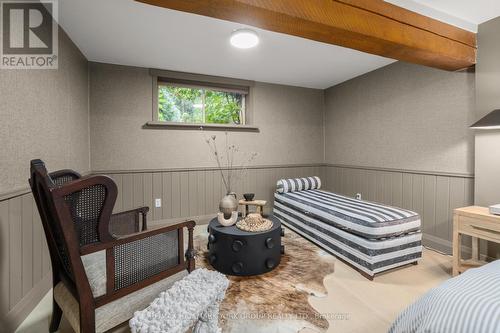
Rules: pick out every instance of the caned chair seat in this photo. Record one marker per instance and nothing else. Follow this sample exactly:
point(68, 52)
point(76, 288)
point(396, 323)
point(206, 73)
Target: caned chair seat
point(116, 312)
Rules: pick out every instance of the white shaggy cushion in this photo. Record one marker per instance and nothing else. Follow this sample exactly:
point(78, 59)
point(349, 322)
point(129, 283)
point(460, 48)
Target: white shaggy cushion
point(116, 312)
point(197, 296)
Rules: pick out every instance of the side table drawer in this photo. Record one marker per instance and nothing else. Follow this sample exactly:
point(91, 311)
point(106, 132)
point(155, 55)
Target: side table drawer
point(479, 228)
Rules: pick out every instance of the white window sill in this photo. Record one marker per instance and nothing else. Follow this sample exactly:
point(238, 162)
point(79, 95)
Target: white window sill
point(209, 127)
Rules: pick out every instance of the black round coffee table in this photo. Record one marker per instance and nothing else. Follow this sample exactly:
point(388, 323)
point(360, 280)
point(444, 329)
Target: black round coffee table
point(236, 252)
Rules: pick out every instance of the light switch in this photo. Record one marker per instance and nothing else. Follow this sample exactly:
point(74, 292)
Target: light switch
point(157, 203)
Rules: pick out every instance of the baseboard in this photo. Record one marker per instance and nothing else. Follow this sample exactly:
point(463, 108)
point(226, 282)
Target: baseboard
point(446, 247)
point(21, 310)
point(438, 244)
point(200, 220)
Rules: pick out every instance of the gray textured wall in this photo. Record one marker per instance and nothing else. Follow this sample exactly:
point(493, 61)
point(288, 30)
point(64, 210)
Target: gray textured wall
point(487, 153)
point(44, 114)
point(402, 116)
point(290, 121)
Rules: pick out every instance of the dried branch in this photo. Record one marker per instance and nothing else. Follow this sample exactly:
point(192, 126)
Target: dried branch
point(233, 175)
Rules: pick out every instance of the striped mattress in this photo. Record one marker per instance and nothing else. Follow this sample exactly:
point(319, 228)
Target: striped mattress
point(363, 218)
point(369, 236)
point(469, 302)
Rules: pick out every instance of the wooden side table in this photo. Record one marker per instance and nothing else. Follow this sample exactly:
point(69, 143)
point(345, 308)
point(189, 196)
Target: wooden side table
point(477, 222)
point(257, 203)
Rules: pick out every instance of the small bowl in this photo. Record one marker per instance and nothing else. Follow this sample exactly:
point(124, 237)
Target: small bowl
point(248, 196)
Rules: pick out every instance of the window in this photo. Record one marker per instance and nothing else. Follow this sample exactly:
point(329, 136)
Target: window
point(193, 103)
point(189, 101)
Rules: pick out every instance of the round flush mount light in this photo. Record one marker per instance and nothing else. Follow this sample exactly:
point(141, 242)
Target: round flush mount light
point(244, 38)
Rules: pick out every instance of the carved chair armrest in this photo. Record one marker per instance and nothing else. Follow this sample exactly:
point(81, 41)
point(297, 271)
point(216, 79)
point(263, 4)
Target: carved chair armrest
point(128, 222)
point(138, 260)
point(136, 236)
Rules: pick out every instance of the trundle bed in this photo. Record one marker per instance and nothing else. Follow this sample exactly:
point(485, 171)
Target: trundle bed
point(369, 236)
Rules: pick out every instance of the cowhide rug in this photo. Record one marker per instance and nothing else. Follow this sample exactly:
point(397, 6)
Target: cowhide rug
point(276, 301)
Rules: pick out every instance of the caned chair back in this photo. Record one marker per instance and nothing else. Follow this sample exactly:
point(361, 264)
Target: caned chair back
point(41, 184)
point(74, 215)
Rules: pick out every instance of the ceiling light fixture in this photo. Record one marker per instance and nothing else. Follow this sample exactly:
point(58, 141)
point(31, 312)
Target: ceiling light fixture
point(244, 38)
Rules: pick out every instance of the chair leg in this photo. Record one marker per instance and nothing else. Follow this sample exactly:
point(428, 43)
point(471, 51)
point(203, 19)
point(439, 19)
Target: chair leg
point(87, 319)
point(56, 317)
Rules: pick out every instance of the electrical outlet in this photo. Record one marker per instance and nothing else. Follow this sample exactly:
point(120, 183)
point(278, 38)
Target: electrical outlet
point(157, 203)
point(358, 196)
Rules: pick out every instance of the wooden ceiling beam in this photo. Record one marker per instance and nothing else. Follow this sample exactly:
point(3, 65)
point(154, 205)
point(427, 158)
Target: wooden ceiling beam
point(414, 19)
point(372, 26)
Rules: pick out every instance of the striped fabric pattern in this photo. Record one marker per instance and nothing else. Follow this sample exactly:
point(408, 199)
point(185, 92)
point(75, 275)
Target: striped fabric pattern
point(298, 184)
point(370, 236)
point(469, 302)
point(368, 255)
point(363, 218)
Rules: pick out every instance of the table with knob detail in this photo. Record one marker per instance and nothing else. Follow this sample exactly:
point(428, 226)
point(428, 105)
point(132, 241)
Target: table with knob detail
point(236, 252)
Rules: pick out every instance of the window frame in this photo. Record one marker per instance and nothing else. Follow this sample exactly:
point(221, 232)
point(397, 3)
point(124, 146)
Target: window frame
point(199, 81)
point(200, 86)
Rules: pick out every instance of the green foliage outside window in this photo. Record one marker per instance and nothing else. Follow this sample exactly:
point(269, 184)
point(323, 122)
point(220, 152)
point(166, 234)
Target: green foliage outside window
point(199, 106)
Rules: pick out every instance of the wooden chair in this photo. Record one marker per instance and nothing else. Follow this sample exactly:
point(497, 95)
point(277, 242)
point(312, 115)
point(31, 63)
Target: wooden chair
point(100, 275)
